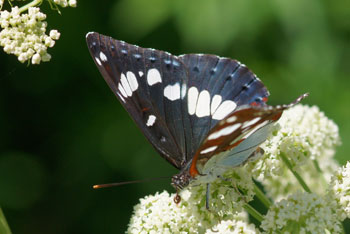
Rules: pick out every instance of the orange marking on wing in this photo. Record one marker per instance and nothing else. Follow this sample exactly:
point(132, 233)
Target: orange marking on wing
point(264, 99)
point(276, 117)
point(193, 169)
point(254, 104)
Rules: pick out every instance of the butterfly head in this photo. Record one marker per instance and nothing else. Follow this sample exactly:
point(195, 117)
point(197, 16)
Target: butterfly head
point(181, 180)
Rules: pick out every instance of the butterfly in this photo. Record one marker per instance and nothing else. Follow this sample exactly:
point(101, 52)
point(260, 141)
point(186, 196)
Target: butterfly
point(202, 113)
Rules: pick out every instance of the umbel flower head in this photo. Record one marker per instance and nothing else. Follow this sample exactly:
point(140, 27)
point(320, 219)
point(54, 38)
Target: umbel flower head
point(159, 214)
point(301, 213)
point(340, 190)
point(307, 138)
point(24, 35)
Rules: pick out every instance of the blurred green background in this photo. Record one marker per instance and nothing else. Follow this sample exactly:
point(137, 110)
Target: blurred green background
point(62, 130)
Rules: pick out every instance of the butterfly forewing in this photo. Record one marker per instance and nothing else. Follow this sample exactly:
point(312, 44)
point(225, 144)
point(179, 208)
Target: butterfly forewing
point(138, 77)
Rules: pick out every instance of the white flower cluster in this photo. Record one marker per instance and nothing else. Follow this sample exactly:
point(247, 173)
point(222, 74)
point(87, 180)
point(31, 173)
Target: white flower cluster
point(24, 35)
point(160, 214)
point(301, 213)
point(308, 139)
point(340, 190)
point(65, 3)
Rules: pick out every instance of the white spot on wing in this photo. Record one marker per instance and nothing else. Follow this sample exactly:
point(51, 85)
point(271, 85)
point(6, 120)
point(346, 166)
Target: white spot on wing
point(103, 57)
point(98, 61)
point(183, 90)
point(125, 85)
point(122, 91)
point(89, 33)
point(251, 122)
point(151, 120)
point(231, 119)
point(172, 92)
point(207, 150)
point(121, 98)
point(225, 131)
point(140, 73)
point(215, 102)
point(192, 100)
point(224, 109)
point(132, 81)
point(203, 104)
point(153, 77)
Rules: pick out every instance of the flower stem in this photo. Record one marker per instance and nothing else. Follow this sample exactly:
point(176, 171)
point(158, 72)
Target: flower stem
point(296, 174)
point(4, 227)
point(320, 172)
point(261, 196)
point(253, 212)
point(31, 4)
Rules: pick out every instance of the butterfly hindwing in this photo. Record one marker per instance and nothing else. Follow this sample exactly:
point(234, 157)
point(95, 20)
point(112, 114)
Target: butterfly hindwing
point(237, 136)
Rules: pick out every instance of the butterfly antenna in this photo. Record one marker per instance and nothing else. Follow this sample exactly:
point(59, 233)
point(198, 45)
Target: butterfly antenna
point(98, 186)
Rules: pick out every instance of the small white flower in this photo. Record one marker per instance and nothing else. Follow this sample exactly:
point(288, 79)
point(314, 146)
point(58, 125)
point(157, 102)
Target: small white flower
point(340, 190)
point(36, 59)
point(49, 42)
point(65, 3)
point(46, 57)
point(233, 227)
point(62, 3)
point(72, 3)
point(301, 213)
point(54, 34)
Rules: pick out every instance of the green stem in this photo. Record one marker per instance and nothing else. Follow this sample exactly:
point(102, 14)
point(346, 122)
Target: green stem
point(4, 227)
point(253, 212)
point(261, 196)
point(296, 174)
point(31, 4)
point(320, 172)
